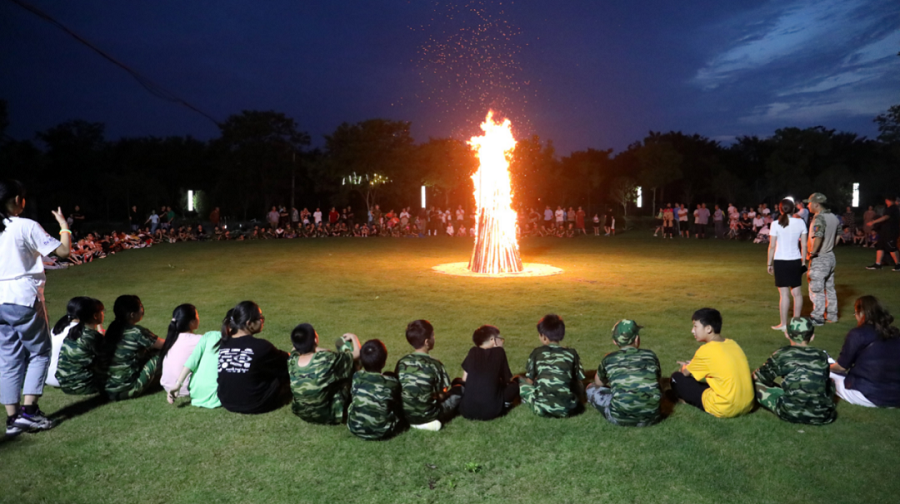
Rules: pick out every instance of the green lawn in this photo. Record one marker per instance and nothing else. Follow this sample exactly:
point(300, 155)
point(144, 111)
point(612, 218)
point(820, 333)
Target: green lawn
point(145, 450)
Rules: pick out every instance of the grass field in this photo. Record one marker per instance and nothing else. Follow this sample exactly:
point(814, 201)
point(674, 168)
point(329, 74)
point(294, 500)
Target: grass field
point(145, 450)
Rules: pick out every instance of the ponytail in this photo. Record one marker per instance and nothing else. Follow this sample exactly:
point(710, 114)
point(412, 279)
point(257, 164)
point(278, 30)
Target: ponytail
point(787, 209)
point(9, 190)
point(125, 305)
point(87, 310)
point(238, 318)
point(182, 317)
point(71, 309)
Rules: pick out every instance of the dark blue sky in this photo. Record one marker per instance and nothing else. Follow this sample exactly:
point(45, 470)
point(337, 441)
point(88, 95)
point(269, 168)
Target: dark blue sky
point(583, 74)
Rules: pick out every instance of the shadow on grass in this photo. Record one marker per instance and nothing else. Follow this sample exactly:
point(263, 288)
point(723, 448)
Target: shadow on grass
point(79, 408)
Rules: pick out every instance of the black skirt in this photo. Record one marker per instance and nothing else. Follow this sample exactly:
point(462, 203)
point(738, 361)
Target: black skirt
point(788, 273)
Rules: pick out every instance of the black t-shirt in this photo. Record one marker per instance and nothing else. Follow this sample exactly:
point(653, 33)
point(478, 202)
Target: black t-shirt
point(488, 375)
point(251, 371)
point(890, 229)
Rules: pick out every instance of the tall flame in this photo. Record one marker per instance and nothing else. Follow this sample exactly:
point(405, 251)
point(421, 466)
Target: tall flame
point(496, 249)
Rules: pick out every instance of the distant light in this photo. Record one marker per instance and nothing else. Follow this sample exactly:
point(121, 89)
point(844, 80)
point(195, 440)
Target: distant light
point(423, 196)
point(640, 198)
point(789, 198)
point(855, 203)
point(190, 200)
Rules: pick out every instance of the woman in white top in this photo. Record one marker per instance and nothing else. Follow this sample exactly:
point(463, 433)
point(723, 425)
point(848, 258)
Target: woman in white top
point(787, 260)
point(180, 342)
point(24, 336)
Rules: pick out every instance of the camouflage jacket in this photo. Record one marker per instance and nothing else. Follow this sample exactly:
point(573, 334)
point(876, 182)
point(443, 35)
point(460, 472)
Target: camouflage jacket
point(808, 390)
point(79, 371)
point(129, 357)
point(422, 378)
point(375, 406)
point(321, 388)
point(556, 372)
point(633, 376)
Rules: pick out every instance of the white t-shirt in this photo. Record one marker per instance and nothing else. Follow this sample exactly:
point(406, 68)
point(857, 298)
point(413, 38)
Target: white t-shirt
point(559, 215)
point(317, 216)
point(787, 248)
point(56, 341)
point(21, 269)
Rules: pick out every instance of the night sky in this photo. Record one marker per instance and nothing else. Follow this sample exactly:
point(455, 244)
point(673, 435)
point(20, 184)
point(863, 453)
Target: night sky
point(584, 74)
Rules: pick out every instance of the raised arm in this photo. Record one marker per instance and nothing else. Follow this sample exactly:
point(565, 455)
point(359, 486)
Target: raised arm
point(65, 236)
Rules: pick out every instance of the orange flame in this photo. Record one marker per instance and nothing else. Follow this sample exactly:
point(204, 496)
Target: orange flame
point(496, 249)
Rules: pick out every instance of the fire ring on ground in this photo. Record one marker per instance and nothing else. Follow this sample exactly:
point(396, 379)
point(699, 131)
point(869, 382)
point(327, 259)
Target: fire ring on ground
point(528, 270)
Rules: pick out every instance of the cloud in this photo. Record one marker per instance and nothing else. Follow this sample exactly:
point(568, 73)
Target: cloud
point(806, 61)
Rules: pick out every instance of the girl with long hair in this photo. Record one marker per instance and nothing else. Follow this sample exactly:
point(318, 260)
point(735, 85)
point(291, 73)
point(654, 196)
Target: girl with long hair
point(253, 376)
point(203, 369)
point(179, 344)
point(867, 373)
point(132, 350)
point(24, 337)
point(60, 331)
point(787, 261)
point(81, 367)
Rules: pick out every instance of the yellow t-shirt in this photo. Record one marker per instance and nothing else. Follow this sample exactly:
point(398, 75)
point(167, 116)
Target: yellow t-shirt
point(724, 366)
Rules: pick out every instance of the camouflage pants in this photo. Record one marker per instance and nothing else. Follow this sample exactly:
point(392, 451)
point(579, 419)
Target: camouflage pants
point(140, 384)
point(601, 398)
point(821, 288)
point(767, 397)
point(540, 406)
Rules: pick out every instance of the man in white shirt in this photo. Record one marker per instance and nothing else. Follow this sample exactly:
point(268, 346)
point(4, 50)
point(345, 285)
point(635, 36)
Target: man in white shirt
point(460, 214)
point(317, 216)
point(560, 216)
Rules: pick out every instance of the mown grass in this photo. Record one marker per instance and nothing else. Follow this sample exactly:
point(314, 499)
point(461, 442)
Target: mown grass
point(145, 450)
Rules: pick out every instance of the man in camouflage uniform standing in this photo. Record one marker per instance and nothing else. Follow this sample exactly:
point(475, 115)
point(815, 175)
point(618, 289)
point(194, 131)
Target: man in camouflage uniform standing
point(806, 392)
point(822, 233)
point(552, 384)
point(626, 388)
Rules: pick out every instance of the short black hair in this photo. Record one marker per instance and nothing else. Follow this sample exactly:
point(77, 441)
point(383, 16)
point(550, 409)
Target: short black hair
point(709, 317)
point(418, 331)
point(373, 355)
point(553, 327)
point(484, 333)
point(304, 338)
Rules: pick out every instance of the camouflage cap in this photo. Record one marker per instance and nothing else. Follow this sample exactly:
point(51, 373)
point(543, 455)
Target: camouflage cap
point(800, 329)
point(816, 197)
point(625, 331)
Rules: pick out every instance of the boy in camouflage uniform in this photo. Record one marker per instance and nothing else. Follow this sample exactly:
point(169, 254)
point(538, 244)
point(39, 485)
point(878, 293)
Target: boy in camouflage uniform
point(806, 392)
point(552, 384)
point(320, 378)
point(626, 388)
point(375, 405)
point(428, 398)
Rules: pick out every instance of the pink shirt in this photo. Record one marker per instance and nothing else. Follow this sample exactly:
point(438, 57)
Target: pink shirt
point(175, 359)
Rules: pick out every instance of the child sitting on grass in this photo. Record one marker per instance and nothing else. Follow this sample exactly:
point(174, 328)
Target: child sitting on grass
point(80, 367)
point(320, 378)
point(487, 377)
point(717, 379)
point(202, 366)
point(626, 387)
point(552, 384)
point(375, 405)
point(428, 398)
point(806, 394)
point(134, 350)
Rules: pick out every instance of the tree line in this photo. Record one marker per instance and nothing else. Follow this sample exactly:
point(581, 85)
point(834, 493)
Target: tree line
point(263, 158)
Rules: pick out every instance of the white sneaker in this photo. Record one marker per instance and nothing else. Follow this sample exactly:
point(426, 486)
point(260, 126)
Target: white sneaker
point(434, 425)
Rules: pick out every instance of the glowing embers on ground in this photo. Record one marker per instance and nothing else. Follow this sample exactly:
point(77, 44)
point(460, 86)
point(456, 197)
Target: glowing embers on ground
point(528, 270)
point(496, 249)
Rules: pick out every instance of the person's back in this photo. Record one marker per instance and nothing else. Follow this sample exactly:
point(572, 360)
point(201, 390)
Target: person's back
point(633, 376)
point(129, 359)
point(487, 377)
point(808, 391)
point(423, 379)
point(250, 375)
point(872, 365)
point(553, 373)
point(375, 405)
point(321, 388)
point(204, 365)
point(77, 370)
point(175, 358)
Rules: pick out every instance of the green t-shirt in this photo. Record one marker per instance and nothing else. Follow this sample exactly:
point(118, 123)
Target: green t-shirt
point(204, 366)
